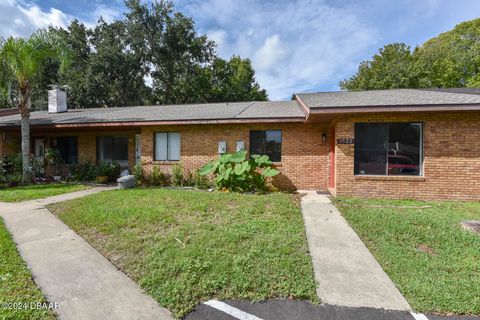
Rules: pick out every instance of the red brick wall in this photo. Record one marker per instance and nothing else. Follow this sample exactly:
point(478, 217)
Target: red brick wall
point(304, 156)
point(451, 159)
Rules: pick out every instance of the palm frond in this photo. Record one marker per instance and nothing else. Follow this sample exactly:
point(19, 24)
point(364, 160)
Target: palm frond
point(22, 58)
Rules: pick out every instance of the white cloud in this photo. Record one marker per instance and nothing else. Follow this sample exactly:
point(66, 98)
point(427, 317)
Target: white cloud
point(220, 38)
point(109, 14)
point(272, 53)
point(295, 46)
point(22, 19)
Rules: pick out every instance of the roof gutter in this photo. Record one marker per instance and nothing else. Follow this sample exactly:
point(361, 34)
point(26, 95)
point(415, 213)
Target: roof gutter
point(399, 108)
point(161, 123)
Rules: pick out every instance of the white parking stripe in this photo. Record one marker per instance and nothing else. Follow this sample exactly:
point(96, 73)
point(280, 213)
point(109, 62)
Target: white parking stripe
point(418, 316)
point(228, 309)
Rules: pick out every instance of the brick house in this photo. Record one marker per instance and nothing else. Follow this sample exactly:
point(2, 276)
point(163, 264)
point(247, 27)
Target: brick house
point(406, 143)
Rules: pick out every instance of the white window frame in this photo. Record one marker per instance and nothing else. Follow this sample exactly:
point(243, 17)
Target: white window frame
point(168, 156)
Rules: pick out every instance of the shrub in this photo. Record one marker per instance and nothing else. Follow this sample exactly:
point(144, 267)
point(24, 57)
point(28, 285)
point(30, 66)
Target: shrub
point(158, 177)
point(85, 170)
point(17, 164)
point(177, 175)
point(109, 169)
point(138, 173)
point(188, 179)
point(53, 157)
point(38, 166)
point(237, 173)
point(14, 178)
point(199, 181)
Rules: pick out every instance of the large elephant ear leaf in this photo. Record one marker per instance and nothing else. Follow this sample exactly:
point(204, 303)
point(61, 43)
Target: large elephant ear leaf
point(224, 158)
point(239, 156)
point(263, 160)
point(207, 169)
point(222, 170)
point(245, 166)
point(270, 172)
point(227, 173)
point(238, 169)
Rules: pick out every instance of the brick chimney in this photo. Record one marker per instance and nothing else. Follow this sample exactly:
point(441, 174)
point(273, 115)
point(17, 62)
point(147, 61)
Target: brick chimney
point(57, 100)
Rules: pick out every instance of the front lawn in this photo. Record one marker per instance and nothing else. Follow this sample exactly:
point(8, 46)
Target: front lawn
point(37, 191)
point(16, 284)
point(184, 247)
point(421, 246)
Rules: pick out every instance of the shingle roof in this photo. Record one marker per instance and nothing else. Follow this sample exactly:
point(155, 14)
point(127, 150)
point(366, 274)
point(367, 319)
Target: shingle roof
point(261, 111)
point(396, 97)
point(187, 112)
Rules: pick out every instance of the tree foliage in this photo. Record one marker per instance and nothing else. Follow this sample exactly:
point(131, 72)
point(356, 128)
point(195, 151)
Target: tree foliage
point(449, 60)
point(152, 56)
point(392, 67)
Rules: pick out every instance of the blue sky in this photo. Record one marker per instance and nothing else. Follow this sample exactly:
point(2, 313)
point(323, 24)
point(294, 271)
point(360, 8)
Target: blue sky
point(295, 45)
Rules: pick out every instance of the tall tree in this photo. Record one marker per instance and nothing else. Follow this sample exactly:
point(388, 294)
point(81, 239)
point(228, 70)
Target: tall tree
point(234, 80)
point(171, 50)
point(115, 71)
point(392, 67)
point(77, 38)
point(112, 63)
point(449, 60)
point(23, 59)
point(6, 83)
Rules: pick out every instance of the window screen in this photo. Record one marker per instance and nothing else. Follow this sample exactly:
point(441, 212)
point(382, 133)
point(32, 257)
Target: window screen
point(267, 142)
point(113, 149)
point(167, 146)
point(388, 148)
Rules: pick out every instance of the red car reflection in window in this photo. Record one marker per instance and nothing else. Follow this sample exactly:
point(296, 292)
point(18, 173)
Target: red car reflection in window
point(401, 165)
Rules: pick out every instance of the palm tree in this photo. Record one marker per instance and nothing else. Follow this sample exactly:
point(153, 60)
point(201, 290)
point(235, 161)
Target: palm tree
point(21, 60)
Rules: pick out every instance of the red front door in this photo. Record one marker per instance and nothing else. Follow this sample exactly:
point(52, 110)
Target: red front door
point(331, 178)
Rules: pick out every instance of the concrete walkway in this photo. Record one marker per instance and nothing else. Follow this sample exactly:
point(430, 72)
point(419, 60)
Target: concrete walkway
point(346, 272)
point(69, 271)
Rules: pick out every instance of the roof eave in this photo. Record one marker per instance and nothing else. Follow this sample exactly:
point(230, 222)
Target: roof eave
point(161, 123)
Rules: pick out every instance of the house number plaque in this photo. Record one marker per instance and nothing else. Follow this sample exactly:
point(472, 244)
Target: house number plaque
point(345, 141)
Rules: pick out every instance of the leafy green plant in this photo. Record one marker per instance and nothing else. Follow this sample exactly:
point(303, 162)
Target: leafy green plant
point(109, 169)
point(158, 177)
point(177, 175)
point(53, 157)
point(199, 181)
point(14, 178)
point(85, 171)
point(188, 179)
point(237, 173)
point(16, 162)
point(38, 164)
point(138, 173)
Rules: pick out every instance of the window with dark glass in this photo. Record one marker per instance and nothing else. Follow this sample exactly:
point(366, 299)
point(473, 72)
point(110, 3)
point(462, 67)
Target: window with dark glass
point(113, 149)
point(67, 148)
point(388, 148)
point(267, 142)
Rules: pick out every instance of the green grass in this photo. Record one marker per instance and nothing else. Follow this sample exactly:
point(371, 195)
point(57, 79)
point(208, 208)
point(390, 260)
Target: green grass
point(16, 283)
point(36, 191)
point(184, 247)
point(446, 279)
